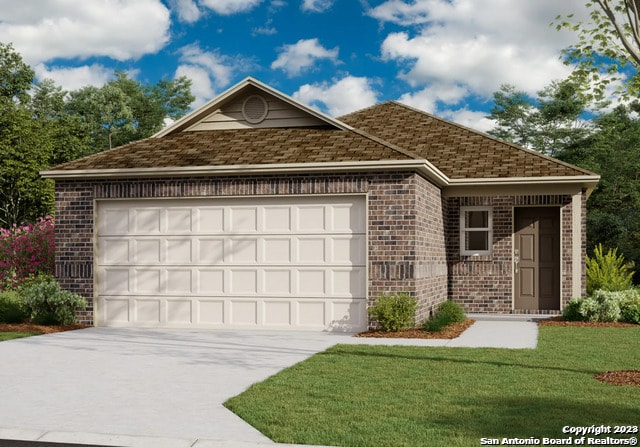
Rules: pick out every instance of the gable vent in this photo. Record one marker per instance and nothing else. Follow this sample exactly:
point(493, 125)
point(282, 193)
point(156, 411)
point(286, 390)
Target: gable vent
point(255, 109)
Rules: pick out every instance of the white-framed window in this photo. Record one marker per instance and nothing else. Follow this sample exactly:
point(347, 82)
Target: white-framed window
point(476, 230)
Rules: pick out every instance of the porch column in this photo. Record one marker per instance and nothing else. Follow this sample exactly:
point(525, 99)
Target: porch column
point(576, 245)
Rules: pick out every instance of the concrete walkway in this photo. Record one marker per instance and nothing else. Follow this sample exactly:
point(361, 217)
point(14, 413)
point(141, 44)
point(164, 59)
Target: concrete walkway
point(148, 387)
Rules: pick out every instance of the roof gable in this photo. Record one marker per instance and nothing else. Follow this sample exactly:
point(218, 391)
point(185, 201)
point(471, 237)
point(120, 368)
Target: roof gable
point(251, 105)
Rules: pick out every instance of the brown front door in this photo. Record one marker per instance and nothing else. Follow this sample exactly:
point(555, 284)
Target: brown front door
point(537, 258)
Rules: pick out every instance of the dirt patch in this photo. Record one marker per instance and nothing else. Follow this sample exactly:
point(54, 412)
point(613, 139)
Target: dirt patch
point(39, 329)
point(451, 331)
point(558, 321)
point(624, 377)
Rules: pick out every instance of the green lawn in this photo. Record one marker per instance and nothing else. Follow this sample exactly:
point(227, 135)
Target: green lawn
point(11, 335)
point(409, 396)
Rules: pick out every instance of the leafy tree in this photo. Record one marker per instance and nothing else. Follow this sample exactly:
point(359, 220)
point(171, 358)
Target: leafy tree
point(613, 151)
point(124, 110)
point(607, 44)
point(105, 111)
point(549, 123)
point(24, 149)
point(15, 76)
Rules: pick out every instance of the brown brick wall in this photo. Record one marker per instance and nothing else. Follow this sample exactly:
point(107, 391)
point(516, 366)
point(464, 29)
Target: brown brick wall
point(484, 283)
point(406, 224)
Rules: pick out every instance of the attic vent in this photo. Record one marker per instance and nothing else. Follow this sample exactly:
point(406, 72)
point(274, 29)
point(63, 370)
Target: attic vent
point(255, 109)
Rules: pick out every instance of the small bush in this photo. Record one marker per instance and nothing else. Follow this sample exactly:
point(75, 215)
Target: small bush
point(630, 309)
point(48, 304)
point(605, 306)
point(572, 311)
point(607, 271)
point(395, 312)
point(11, 307)
point(447, 313)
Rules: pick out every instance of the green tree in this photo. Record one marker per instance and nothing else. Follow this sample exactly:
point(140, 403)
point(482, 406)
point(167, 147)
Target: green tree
point(24, 148)
point(549, 123)
point(124, 110)
point(607, 44)
point(613, 151)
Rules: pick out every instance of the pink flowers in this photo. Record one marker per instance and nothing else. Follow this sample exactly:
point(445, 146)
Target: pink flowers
point(26, 250)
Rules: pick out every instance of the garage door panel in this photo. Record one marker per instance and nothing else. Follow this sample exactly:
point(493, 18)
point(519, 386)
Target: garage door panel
point(146, 221)
point(210, 281)
point(242, 281)
point(210, 251)
point(114, 251)
point(179, 220)
point(146, 251)
point(209, 220)
point(277, 219)
point(242, 220)
point(277, 250)
point(260, 262)
point(113, 280)
point(310, 218)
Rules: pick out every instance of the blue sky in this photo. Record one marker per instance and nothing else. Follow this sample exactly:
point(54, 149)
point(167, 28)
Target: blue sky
point(446, 57)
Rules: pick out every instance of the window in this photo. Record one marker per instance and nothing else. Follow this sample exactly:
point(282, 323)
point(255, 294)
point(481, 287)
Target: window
point(476, 230)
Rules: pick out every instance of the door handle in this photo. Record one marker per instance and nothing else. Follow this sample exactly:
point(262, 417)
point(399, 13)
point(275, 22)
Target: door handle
point(516, 259)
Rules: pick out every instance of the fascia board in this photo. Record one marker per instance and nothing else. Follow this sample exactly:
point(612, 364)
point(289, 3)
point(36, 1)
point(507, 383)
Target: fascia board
point(422, 166)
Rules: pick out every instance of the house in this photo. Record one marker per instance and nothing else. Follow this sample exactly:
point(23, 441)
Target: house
point(257, 211)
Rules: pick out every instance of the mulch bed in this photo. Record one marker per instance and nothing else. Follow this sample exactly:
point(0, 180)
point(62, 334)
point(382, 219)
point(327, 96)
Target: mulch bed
point(623, 377)
point(451, 331)
point(38, 329)
point(558, 321)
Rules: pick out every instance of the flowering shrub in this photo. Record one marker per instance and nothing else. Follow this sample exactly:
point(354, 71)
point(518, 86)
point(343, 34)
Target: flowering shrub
point(26, 251)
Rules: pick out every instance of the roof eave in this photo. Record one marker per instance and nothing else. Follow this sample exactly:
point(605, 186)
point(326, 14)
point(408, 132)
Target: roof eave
point(586, 182)
point(422, 166)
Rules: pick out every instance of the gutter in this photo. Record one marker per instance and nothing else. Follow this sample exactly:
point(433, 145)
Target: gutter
point(422, 166)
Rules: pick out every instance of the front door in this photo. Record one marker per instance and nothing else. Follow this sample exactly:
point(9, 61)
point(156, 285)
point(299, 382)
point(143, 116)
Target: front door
point(537, 258)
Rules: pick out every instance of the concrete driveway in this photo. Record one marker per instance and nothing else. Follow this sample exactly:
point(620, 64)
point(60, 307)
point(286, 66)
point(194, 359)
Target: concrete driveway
point(165, 388)
point(121, 386)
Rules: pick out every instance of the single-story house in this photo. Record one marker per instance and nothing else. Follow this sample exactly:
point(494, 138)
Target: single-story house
point(257, 211)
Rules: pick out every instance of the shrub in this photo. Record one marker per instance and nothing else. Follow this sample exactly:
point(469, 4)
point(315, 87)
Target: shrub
point(11, 307)
point(395, 312)
point(630, 309)
point(605, 306)
point(607, 271)
point(48, 304)
point(26, 251)
point(448, 312)
point(572, 311)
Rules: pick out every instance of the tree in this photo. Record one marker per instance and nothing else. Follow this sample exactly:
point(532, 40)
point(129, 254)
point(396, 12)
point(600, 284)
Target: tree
point(607, 45)
point(549, 124)
point(24, 147)
point(124, 110)
point(613, 151)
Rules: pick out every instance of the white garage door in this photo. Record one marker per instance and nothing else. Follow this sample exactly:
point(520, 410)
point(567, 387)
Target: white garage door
point(296, 262)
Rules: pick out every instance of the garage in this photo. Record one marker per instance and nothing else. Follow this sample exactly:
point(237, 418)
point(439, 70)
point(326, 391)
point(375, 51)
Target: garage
point(260, 262)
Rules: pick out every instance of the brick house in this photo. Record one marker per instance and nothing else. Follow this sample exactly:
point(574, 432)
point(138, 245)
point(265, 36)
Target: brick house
point(256, 211)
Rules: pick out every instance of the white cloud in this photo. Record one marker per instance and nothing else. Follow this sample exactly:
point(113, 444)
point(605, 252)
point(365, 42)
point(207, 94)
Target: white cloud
point(316, 5)
point(74, 78)
point(42, 31)
point(187, 10)
point(208, 71)
point(469, 118)
point(201, 85)
point(344, 96)
point(228, 7)
point(449, 47)
point(295, 58)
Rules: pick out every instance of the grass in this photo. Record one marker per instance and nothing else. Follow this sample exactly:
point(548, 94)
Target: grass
point(405, 396)
point(4, 336)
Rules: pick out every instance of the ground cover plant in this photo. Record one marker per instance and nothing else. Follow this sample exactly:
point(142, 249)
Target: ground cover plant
point(406, 396)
